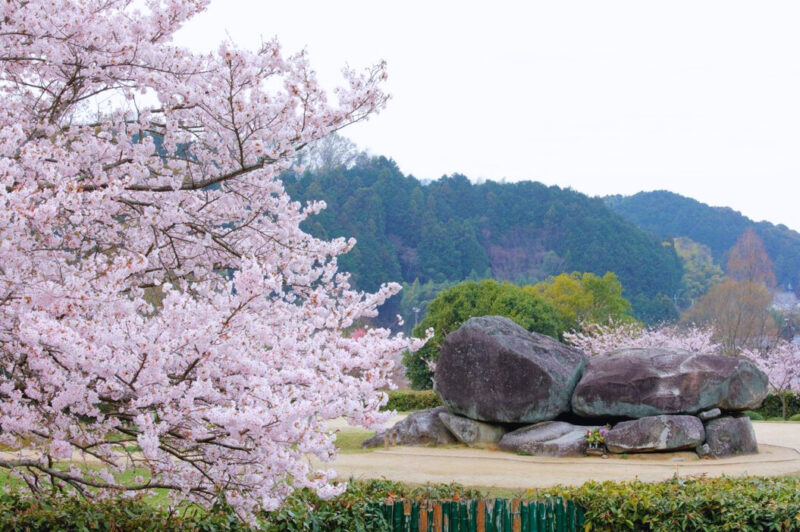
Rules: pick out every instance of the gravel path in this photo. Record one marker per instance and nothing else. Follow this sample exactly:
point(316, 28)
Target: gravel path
point(779, 444)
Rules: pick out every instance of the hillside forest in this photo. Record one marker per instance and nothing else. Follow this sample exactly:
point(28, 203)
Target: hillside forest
point(552, 259)
point(429, 236)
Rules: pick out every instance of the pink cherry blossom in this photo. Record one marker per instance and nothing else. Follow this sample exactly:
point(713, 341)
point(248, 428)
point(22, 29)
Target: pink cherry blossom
point(596, 339)
point(781, 363)
point(156, 289)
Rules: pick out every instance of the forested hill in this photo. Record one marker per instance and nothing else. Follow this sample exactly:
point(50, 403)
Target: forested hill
point(451, 229)
point(668, 215)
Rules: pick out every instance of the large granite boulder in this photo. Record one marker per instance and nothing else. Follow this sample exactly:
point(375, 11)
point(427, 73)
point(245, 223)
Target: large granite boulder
point(730, 436)
point(549, 438)
point(652, 381)
point(655, 433)
point(420, 428)
point(472, 432)
point(491, 369)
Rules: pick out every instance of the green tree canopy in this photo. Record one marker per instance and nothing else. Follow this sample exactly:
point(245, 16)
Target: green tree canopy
point(699, 270)
point(584, 298)
point(452, 307)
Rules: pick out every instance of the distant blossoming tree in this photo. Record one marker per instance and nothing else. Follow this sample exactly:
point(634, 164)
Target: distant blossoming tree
point(781, 363)
point(597, 339)
point(159, 305)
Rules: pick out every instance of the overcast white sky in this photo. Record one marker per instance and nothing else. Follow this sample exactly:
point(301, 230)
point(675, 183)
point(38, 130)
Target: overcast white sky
point(698, 97)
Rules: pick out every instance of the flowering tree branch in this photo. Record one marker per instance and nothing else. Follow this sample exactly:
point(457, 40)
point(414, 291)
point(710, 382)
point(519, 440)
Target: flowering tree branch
point(160, 306)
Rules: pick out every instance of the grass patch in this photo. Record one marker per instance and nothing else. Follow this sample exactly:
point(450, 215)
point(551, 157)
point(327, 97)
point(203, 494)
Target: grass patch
point(159, 498)
point(349, 440)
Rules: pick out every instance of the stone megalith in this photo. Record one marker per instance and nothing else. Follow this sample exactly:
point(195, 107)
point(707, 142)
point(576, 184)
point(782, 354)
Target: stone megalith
point(420, 428)
point(653, 381)
point(491, 369)
point(472, 432)
point(730, 436)
point(548, 438)
point(655, 433)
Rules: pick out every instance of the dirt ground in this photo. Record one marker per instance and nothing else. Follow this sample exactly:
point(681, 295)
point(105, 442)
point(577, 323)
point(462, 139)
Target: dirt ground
point(779, 445)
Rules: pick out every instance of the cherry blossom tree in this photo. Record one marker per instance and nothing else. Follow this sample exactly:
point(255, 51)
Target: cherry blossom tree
point(597, 339)
point(159, 305)
point(781, 363)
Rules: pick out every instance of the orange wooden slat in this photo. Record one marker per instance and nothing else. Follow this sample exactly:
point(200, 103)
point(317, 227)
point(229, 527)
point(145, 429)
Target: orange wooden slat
point(516, 524)
point(437, 517)
point(480, 519)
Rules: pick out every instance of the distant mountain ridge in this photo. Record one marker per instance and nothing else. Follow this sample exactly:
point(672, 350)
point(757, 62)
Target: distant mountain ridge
point(668, 215)
point(452, 229)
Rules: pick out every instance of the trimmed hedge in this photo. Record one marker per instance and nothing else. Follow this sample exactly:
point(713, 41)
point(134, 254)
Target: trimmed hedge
point(410, 400)
point(358, 509)
point(702, 504)
point(707, 504)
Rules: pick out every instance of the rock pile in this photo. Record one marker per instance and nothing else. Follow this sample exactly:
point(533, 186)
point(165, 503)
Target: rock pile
point(502, 385)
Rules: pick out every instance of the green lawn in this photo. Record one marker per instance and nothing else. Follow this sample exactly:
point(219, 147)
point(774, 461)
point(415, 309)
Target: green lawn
point(159, 499)
point(349, 440)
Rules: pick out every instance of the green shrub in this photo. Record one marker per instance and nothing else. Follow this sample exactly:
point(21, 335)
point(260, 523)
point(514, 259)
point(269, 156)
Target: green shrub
point(410, 400)
point(357, 509)
point(795, 417)
point(707, 504)
point(753, 415)
point(67, 514)
point(772, 405)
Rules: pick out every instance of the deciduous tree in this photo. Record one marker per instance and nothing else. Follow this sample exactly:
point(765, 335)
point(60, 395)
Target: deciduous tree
point(739, 314)
point(749, 262)
point(583, 298)
point(155, 288)
point(331, 151)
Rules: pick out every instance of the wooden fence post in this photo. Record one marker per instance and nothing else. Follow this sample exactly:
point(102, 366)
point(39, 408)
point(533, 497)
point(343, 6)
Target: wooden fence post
point(498, 515)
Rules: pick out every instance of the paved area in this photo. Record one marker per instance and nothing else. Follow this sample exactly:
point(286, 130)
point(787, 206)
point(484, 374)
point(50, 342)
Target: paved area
point(779, 444)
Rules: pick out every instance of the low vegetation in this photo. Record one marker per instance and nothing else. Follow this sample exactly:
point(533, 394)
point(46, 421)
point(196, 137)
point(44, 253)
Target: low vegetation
point(707, 504)
point(772, 406)
point(411, 400)
point(357, 509)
